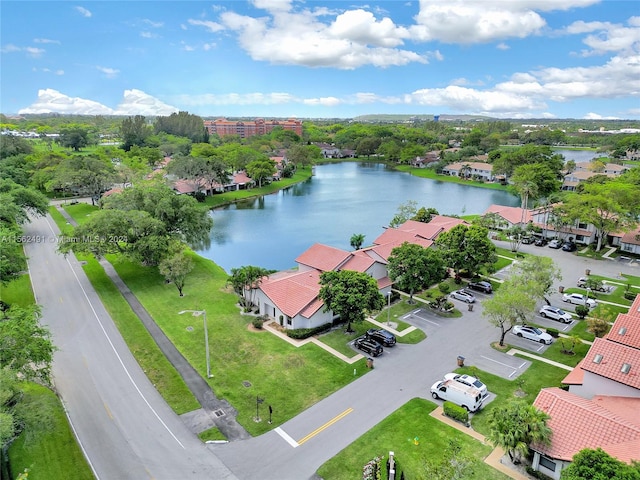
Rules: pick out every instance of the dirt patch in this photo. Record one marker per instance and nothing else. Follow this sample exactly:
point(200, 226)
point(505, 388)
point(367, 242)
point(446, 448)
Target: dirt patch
point(251, 328)
point(497, 346)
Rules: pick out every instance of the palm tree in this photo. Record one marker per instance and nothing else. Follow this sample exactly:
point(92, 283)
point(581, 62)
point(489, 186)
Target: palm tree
point(357, 239)
point(516, 425)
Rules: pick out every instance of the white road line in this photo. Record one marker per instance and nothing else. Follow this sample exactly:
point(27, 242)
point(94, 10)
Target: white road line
point(286, 437)
point(503, 364)
point(95, 314)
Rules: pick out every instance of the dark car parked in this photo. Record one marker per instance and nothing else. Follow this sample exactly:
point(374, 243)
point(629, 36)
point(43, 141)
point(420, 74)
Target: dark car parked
point(481, 286)
point(528, 240)
point(367, 345)
point(381, 336)
point(569, 247)
point(540, 242)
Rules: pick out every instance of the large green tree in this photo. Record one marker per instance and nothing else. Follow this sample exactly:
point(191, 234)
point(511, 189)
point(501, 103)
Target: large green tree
point(514, 425)
point(85, 176)
point(597, 464)
point(134, 131)
point(183, 124)
point(510, 305)
point(261, 171)
point(175, 268)
point(350, 295)
point(412, 267)
point(245, 281)
point(506, 161)
point(533, 181)
point(538, 273)
point(74, 136)
point(25, 345)
point(467, 248)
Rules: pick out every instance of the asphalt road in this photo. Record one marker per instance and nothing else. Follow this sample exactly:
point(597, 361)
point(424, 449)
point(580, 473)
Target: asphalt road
point(124, 426)
point(128, 432)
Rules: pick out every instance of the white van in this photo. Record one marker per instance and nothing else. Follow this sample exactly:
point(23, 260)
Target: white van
point(463, 395)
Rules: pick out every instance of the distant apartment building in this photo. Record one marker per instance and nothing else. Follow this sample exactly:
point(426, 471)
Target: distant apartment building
point(249, 128)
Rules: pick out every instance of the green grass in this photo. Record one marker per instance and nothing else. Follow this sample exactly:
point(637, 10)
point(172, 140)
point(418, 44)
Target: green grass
point(221, 199)
point(432, 175)
point(48, 448)
point(397, 433)
point(159, 370)
point(211, 434)
point(18, 292)
point(539, 375)
point(288, 378)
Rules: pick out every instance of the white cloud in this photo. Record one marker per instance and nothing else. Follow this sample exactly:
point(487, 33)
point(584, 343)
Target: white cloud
point(137, 102)
point(323, 101)
point(153, 24)
point(362, 27)
point(209, 25)
point(45, 40)
point(55, 72)
point(146, 34)
point(52, 101)
point(109, 72)
point(607, 37)
point(30, 51)
point(10, 48)
point(83, 11)
point(596, 116)
point(503, 46)
point(299, 38)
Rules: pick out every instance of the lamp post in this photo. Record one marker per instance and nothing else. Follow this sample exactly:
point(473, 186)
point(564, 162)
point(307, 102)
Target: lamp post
point(388, 308)
point(197, 313)
point(586, 299)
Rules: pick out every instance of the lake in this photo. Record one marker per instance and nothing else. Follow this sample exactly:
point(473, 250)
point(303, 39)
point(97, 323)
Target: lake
point(342, 199)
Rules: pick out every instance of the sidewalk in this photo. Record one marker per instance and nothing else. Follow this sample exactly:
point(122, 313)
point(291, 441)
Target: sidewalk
point(214, 412)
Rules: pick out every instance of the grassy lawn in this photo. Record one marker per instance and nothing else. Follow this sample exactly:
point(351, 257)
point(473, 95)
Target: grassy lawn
point(18, 292)
point(290, 379)
point(431, 174)
point(48, 448)
point(221, 199)
point(211, 434)
point(539, 375)
point(397, 433)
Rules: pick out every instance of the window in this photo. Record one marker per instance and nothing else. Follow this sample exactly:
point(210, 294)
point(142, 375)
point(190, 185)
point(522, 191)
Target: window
point(597, 358)
point(579, 238)
point(547, 463)
point(625, 368)
point(582, 225)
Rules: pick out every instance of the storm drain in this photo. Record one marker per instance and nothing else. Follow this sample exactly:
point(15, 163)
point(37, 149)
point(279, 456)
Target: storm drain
point(246, 383)
point(218, 413)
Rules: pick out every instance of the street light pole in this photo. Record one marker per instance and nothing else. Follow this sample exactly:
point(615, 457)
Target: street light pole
point(389, 308)
point(197, 313)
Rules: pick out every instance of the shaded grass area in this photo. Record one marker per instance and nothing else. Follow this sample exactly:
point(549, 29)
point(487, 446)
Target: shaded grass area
point(539, 375)
point(211, 434)
point(288, 378)
point(18, 292)
point(221, 199)
point(432, 175)
point(397, 433)
point(47, 449)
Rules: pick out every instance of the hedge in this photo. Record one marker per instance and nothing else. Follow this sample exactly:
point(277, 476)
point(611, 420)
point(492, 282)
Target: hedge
point(456, 412)
point(302, 333)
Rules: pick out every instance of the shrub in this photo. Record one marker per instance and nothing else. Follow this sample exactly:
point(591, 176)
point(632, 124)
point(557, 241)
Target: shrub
point(553, 332)
point(630, 295)
point(582, 311)
point(258, 322)
point(444, 288)
point(456, 412)
point(302, 333)
point(536, 474)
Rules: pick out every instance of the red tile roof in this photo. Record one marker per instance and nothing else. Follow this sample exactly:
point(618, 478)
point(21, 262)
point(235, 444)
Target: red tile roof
point(294, 292)
point(398, 237)
point(632, 238)
point(626, 330)
point(614, 356)
point(511, 214)
point(579, 423)
point(323, 258)
point(634, 310)
point(575, 376)
point(447, 222)
point(420, 229)
point(358, 263)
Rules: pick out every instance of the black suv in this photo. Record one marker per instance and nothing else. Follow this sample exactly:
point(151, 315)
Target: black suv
point(367, 345)
point(381, 336)
point(481, 286)
point(540, 242)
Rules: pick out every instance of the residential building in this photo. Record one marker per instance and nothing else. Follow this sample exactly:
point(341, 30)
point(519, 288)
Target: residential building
point(509, 217)
point(630, 241)
point(600, 408)
point(249, 128)
point(585, 170)
point(470, 169)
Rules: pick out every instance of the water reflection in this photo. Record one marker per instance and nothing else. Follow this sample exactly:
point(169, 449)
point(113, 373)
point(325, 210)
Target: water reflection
point(342, 199)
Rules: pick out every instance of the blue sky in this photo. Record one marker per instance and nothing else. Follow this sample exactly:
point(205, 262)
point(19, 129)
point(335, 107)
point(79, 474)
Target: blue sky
point(319, 59)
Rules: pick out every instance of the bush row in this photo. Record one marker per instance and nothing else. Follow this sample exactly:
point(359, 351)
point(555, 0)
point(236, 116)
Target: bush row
point(456, 412)
point(302, 333)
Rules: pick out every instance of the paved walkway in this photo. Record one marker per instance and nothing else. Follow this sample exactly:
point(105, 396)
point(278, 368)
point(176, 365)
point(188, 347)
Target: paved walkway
point(214, 411)
point(494, 459)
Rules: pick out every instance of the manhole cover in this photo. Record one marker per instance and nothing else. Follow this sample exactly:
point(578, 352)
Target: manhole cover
point(189, 328)
point(218, 413)
point(246, 383)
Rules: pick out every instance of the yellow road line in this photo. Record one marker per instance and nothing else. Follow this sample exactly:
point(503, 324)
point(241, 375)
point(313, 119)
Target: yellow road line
point(325, 426)
point(106, 407)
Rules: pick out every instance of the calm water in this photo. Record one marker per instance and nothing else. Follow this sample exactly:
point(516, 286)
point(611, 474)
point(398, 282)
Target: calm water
point(579, 155)
point(340, 200)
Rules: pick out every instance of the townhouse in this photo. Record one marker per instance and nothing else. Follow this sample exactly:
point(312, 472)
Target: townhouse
point(599, 404)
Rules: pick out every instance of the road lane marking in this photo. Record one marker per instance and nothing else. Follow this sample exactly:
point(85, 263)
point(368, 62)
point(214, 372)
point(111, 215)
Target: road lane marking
point(325, 426)
point(286, 437)
point(106, 407)
point(115, 351)
point(503, 364)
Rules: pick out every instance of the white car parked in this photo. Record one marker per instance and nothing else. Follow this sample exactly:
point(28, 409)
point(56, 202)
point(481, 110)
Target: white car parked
point(555, 313)
point(469, 381)
point(579, 299)
point(463, 295)
point(532, 333)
